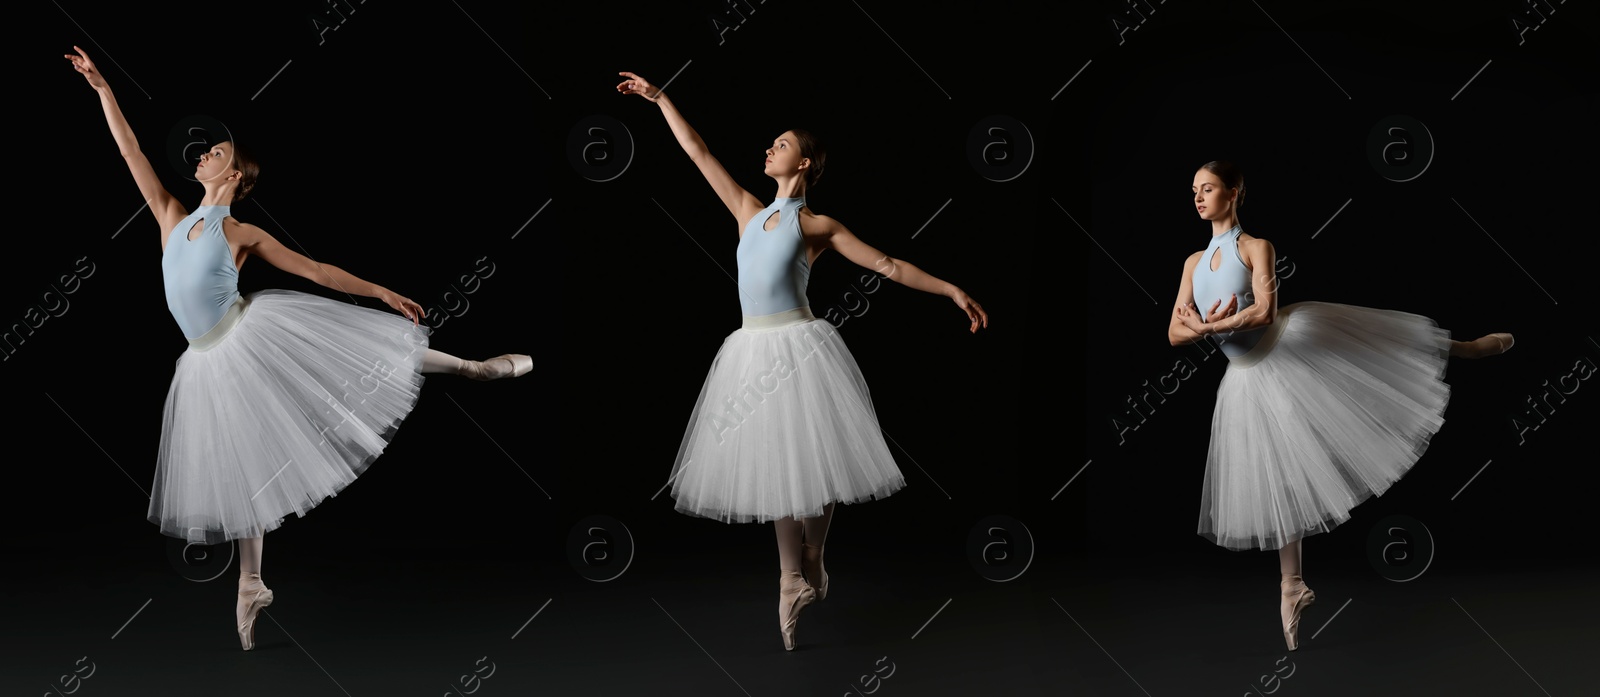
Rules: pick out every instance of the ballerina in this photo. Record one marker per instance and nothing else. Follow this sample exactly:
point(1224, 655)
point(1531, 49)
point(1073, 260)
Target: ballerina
point(1323, 405)
point(784, 427)
point(282, 398)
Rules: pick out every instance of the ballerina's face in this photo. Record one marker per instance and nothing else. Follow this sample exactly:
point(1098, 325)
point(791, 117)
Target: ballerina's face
point(784, 156)
point(1211, 200)
point(216, 163)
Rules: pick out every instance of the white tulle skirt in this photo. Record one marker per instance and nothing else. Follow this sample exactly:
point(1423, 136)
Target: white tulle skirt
point(282, 405)
point(1331, 406)
point(784, 425)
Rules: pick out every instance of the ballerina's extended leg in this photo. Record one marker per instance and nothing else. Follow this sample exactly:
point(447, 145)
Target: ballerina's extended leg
point(253, 594)
point(509, 365)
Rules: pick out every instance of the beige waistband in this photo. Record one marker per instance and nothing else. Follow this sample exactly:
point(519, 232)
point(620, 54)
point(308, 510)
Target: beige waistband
point(778, 319)
point(1269, 338)
point(230, 319)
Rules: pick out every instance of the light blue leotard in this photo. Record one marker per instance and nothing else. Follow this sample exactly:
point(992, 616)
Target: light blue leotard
point(1231, 277)
point(773, 269)
point(201, 279)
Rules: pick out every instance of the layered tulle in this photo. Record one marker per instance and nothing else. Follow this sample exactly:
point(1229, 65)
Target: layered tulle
point(1333, 405)
point(783, 426)
point(287, 409)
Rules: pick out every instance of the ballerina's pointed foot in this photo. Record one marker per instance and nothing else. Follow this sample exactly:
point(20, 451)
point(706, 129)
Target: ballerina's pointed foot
point(811, 564)
point(253, 596)
point(510, 365)
point(794, 594)
point(1485, 346)
point(1296, 597)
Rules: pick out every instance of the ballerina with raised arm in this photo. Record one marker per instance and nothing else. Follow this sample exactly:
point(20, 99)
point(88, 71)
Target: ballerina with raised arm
point(784, 427)
point(282, 398)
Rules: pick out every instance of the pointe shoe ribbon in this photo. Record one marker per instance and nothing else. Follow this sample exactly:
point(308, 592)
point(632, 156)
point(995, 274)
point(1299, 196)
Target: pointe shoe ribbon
point(1295, 601)
point(811, 564)
point(793, 596)
point(256, 599)
point(509, 365)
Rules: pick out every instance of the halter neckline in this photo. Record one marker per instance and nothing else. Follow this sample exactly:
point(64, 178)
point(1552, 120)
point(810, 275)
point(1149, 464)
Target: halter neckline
point(1232, 230)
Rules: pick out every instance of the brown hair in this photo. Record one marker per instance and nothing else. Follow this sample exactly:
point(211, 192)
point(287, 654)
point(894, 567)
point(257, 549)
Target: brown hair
point(810, 147)
point(248, 168)
point(1231, 178)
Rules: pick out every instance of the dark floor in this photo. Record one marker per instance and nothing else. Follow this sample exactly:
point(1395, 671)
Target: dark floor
point(482, 622)
point(1524, 633)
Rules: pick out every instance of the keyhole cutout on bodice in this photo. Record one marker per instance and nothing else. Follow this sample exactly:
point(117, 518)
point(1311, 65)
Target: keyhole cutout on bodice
point(1216, 260)
point(198, 229)
point(772, 222)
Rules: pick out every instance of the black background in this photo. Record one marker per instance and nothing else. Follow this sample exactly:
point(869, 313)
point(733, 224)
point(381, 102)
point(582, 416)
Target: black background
point(410, 145)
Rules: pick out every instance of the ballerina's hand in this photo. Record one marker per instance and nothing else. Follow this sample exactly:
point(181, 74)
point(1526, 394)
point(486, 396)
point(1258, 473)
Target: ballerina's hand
point(85, 67)
point(1226, 312)
point(1189, 315)
point(638, 85)
point(972, 308)
point(404, 306)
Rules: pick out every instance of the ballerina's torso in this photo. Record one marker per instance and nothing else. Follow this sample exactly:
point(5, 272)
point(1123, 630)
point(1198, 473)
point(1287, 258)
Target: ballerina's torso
point(775, 259)
point(1222, 274)
point(200, 270)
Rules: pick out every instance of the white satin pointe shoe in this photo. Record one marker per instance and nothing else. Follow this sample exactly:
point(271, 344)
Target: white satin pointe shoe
point(1503, 341)
point(1489, 345)
point(252, 599)
point(510, 365)
point(794, 594)
point(811, 564)
point(1296, 597)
